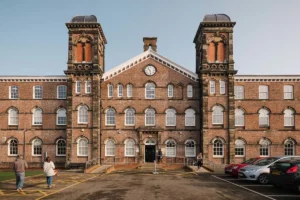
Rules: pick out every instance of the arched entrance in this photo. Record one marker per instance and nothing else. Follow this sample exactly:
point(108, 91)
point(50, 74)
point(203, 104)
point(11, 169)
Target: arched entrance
point(150, 150)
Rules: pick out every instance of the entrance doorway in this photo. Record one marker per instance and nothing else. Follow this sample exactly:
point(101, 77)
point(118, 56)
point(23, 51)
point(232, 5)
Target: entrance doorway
point(149, 153)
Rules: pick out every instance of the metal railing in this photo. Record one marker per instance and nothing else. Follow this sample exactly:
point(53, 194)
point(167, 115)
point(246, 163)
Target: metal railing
point(91, 163)
point(209, 164)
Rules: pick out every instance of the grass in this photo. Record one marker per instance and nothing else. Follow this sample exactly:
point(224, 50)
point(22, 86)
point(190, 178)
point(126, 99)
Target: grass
point(7, 175)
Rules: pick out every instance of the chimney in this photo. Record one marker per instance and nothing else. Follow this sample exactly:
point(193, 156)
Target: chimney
point(150, 41)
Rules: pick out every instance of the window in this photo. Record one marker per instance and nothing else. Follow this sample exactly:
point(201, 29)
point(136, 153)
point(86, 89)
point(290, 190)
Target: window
point(170, 90)
point(12, 147)
point(129, 117)
point(110, 148)
point(222, 87)
point(263, 117)
point(239, 92)
point(78, 87)
point(170, 117)
point(171, 148)
point(150, 91)
point(239, 117)
point(289, 148)
point(189, 117)
point(37, 117)
point(212, 87)
point(289, 117)
point(61, 117)
point(263, 92)
point(61, 147)
point(129, 148)
point(120, 90)
point(61, 92)
point(110, 90)
point(218, 148)
point(82, 147)
point(37, 147)
point(13, 92)
point(264, 148)
point(37, 92)
point(239, 148)
point(110, 117)
point(217, 115)
point(129, 90)
point(189, 91)
point(82, 115)
point(88, 87)
point(13, 118)
point(288, 92)
point(190, 148)
point(150, 117)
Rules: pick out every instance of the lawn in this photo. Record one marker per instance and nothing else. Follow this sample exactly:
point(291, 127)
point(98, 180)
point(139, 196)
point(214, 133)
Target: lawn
point(6, 175)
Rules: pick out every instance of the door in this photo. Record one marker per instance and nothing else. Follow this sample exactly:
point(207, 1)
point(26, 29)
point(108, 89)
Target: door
point(149, 153)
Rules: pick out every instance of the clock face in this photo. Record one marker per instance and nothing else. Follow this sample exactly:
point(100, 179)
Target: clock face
point(150, 70)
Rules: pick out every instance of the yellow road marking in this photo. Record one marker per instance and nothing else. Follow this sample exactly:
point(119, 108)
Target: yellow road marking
point(44, 193)
point(68, 187)
point(1, 193)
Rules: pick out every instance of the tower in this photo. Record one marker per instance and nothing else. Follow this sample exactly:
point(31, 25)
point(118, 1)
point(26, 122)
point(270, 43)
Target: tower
point(85, 68)
point(215, 68)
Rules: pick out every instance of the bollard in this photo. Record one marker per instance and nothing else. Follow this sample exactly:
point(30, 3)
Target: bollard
point(155, 172)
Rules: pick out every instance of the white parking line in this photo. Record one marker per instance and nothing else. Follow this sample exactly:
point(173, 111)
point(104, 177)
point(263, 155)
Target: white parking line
point(244, 188)
point(283, 195)
point(257, 185)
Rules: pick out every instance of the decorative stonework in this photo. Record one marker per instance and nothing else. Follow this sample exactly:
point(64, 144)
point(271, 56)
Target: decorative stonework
point(33, 79)
point(257, 78)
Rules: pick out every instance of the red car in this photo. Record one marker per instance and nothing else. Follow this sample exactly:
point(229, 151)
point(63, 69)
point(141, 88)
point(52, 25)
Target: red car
point(234, 168)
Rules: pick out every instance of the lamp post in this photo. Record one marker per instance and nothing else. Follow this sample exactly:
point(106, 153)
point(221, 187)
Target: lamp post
point(24, 143)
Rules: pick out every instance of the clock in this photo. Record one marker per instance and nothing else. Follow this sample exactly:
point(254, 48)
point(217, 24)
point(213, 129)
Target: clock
point(150, 70)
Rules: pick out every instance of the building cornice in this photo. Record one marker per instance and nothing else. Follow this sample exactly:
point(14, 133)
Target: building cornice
point(267, 78)
point(33, 78)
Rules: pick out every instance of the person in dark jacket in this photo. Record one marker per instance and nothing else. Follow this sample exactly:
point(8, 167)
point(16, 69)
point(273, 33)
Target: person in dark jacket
point(19, 167)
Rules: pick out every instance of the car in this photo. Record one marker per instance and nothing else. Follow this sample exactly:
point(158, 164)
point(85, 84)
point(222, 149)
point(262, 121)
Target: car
point(260, 170)
point(285, 174)
point(234, 168)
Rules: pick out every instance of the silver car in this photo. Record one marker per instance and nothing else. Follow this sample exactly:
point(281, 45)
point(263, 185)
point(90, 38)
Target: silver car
point(260, 170)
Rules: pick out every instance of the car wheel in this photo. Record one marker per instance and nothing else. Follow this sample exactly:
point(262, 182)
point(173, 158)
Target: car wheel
point(297, 188)
point(263, 179)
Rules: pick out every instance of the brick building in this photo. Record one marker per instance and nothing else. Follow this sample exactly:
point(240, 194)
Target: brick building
point(148, 103)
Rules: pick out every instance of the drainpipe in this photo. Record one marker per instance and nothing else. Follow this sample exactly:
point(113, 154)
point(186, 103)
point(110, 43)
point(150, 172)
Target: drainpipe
point(100, 133)
point(228, 125)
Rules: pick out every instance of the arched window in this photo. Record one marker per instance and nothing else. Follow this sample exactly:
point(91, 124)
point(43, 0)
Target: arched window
point(82, 147)
point(129, 90)
point(150, 91)
point(82, 115)
point(170, 148)
point(190, 91)
point(110, 117)
point(12, 147)
point(61, 92)
point(129, 148)
point(212, 87)
point(110, 90)
point(289, 147)
point(110, 148)
point(239, 148)
point(263, 117)
point(289, 117)
point(61, 147)
point(13, 117)
point(120, 90)
point(217, 115)
point(189, 117)
point(239, 117)
point(170, 117)
point(264, 148)
point(190, 148)
point(129, 117)
point(218, 148)
point(61, 117)
point(37, 147)
point(170, 90)
point(150, 117)
point(37, 117)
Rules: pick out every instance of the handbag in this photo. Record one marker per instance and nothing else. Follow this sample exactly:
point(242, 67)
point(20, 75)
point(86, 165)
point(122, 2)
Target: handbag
point(55, 172)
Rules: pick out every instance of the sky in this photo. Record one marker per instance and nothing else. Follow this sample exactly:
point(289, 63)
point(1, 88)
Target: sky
point(34, 38)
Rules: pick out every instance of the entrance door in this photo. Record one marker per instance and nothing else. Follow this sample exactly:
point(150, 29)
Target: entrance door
point(149, 153)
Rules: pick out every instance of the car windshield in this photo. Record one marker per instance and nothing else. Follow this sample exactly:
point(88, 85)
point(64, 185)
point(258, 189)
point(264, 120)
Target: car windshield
point(250, 161)
point(266, 161)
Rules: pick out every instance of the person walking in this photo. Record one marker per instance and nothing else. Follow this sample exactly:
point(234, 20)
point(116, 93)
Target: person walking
point(19, 167)
point(49, 171)
point(159, 156)
point(199, 160)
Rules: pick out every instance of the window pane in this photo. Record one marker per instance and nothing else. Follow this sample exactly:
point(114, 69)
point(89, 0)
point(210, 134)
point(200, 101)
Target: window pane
point(62, 92)
point(170, 90)
point(14, 93)
point(38, 92)
point(83, 114)
point(61, 147)
point(110, 117)
point(129, 90)
point(150, 117)
point(110, 90)
point(88, 87)
point(190, 91)
point(189, 117)
point(37, 117)
point(13, 147)
point(150, 91)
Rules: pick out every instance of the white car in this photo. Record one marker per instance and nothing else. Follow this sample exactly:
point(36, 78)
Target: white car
point(260, 170)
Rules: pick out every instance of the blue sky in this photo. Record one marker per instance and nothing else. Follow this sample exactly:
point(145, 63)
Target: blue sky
point(34, 37)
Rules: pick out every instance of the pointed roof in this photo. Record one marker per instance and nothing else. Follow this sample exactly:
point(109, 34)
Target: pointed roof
point(145, 55)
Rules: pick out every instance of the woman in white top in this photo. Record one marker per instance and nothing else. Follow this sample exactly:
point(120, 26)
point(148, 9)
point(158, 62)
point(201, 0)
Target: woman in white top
point(49, 171)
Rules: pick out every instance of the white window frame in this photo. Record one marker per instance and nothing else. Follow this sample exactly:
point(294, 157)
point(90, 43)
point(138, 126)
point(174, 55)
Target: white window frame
point(13, 118)
point(288, 92)
point(288, 146)
point(150, 91)
point(289, 117)
point(264, 146)
point(190, 151)
point(129, 116)
point(217, 115)
point(33, 147)
point(57, 147)
point(82, 151)
point(222, 87)
point(218, 148)
point(61, 92)
point(88, 87)
point(14, 148)
point(263, 92)
point(60, 115)
point(170, 148)
point(110, 148)
point(212, 87)
point(239, 92)
point(13, 92)
point(239, 117)
point(78, 87)
point(129, 90)
point(83, 115)
point(190, 117)
point(149, 117)
point(264, 118)
point(110, 90)
point(239, 145)
point(37, 92)
point(170, 90)
point(120, 90)
point(189, 91)
point(110, 117)
point(37, 120)
point(129, 148)
point(170, 117)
